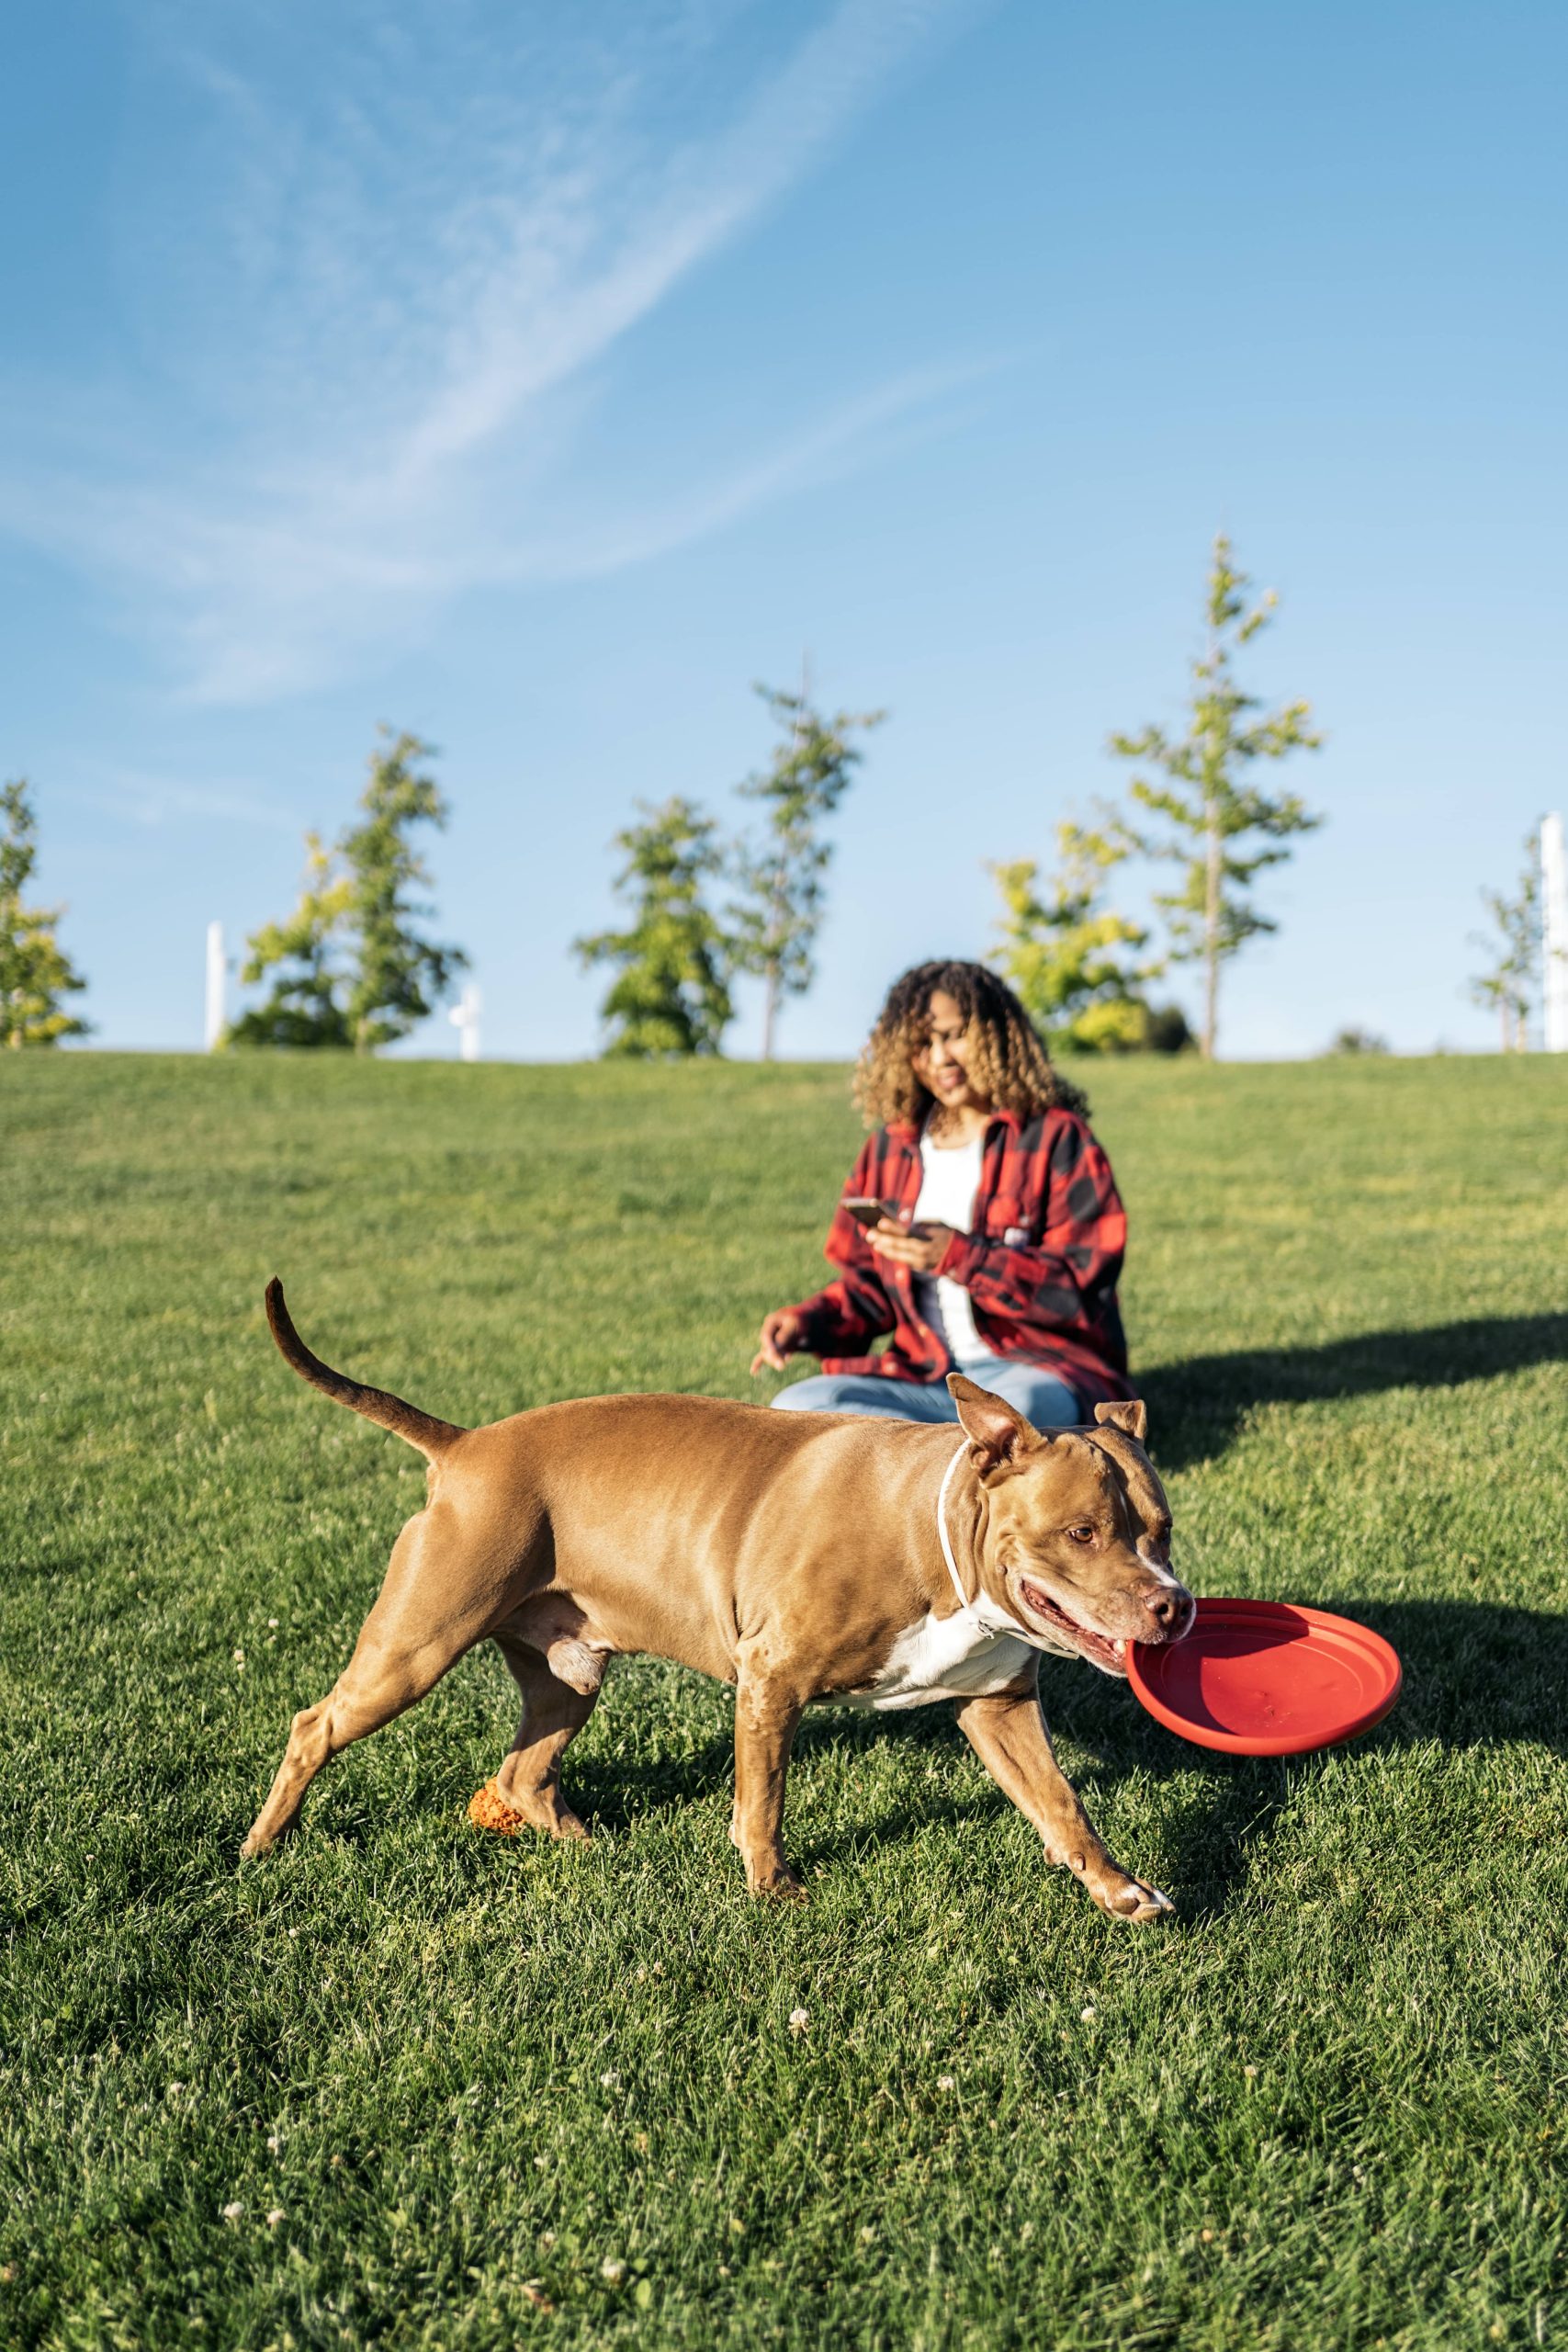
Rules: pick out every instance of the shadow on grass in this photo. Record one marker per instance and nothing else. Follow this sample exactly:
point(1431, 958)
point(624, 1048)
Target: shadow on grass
point(1476, 1675)
point(1196, 1407)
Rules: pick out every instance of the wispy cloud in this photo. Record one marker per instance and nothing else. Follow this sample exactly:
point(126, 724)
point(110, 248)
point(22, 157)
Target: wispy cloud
point(377, 272)
point(152, 800)
point(895, 414)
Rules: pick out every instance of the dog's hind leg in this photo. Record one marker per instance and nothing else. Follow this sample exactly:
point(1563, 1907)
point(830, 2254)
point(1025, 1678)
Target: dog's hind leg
point(554, 1712)
point(405, 1647)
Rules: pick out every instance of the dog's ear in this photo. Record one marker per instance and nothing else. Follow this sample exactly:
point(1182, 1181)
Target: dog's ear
point(998, 1434)
point(1133, 1417)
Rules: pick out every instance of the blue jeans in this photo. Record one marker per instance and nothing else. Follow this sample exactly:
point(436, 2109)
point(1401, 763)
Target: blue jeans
point(1039, 1395)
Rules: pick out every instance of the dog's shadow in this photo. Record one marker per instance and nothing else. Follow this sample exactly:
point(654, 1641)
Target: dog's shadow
point(1476, 1675)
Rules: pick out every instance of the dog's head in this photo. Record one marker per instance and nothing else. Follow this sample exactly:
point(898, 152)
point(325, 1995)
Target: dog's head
point(1076, 1542)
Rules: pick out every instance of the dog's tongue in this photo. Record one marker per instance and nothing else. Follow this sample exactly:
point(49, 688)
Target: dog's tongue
point(1043, 1606)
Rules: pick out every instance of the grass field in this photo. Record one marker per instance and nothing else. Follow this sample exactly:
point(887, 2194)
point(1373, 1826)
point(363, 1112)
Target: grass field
point(404, 2084)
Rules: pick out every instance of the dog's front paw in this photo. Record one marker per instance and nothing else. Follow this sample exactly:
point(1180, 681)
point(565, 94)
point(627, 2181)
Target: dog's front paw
point(778, 1881)
point(1131, 1898)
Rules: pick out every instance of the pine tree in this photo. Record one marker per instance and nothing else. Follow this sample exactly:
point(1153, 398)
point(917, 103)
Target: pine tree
point(306, 1006)
point(775, 921)
point(1062, 950)
point(399, 977)
point(1212, 810)
point(35, 972)
point(1516, 949)
point(351, 968)
point(672, 992)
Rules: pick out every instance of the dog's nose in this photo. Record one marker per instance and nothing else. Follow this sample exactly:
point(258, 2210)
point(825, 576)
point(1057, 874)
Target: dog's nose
point(1170, 1610)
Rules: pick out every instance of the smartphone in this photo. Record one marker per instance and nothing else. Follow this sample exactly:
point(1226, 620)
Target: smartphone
point(868, 1212)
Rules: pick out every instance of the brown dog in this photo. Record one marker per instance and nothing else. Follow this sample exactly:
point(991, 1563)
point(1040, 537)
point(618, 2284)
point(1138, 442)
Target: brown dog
point(797, 1555)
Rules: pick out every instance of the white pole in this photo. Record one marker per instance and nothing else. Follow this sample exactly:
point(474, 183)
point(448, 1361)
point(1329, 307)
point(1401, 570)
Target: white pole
point(216, 986)
point(464, 1018)
point(1554, 933)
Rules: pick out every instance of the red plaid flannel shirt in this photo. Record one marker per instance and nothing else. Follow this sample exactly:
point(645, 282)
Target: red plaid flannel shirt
point(1040, 1266)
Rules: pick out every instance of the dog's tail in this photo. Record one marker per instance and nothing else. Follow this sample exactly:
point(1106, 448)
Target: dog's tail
point(421, 1430)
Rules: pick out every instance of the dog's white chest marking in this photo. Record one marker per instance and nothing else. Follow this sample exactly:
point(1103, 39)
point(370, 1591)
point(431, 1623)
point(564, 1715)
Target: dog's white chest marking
point(972, 1653)
point(944, 1657)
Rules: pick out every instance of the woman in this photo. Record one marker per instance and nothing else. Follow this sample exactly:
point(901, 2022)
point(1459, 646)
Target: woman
point(1003, 1259)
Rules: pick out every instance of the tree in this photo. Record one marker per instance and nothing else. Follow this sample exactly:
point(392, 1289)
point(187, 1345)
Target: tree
point(1355, 1040)
point(398, 978)
point(306, 1006)
point(1515, 948)
point(35, 972)
point(776, 919)
point(1061, 949)
point(672, 994)
point(1212, 809)
point(352, 969)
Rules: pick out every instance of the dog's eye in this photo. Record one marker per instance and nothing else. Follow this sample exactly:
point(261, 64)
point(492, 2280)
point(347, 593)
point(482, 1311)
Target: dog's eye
point(1080, 1534)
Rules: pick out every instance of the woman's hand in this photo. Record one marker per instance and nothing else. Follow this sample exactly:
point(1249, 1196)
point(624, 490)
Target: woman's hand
point(783, 1335)
point(921, 1247)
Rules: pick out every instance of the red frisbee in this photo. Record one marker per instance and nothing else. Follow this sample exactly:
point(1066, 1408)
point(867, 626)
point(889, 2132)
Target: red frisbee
point(1259, 1677)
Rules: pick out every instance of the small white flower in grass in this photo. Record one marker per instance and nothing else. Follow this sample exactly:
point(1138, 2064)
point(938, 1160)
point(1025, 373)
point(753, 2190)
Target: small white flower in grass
point(173, 2090)
point(273, 2144)
point(272, 1621)
point(799, 2020)
point(613, 2270)
point(1251, 2073)
point(947, 2082)
point(609, 2080)
point(1087, 2014)
point(274, 2217)
point(232, 2212)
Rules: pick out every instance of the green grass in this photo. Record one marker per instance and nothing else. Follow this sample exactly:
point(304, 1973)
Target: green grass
point(1323, 2109)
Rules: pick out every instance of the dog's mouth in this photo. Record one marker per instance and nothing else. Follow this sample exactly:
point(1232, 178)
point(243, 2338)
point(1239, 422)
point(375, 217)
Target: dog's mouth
point(1075, 1640)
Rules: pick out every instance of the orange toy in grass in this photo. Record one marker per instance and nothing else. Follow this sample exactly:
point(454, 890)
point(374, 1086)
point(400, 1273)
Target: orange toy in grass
point(488, 1809)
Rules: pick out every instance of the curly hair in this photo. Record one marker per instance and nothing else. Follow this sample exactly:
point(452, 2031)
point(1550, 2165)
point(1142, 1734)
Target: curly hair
point(1007, 1061)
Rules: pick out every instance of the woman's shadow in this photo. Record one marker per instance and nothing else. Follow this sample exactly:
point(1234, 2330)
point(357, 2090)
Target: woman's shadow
point(1196, 1407)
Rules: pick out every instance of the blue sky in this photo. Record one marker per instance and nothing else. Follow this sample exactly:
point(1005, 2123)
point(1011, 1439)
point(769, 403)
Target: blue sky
point(538, 379)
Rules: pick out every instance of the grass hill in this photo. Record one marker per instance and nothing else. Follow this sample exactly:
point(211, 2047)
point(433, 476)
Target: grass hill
point(403, 2085)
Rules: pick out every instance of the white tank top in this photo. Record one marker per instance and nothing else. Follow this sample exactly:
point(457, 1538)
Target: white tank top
point(949, 1183)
